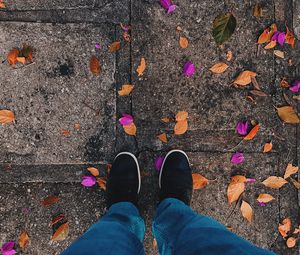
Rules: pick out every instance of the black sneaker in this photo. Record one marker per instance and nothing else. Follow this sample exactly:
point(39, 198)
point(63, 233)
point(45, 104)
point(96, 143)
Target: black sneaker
point(175, 178)
point(124, 180)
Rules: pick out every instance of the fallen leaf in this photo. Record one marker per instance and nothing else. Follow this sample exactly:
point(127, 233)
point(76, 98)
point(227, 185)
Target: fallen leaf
point(264, 37)
point(246, 211)
point(199, 181)
point(238, 179)
point(95, 65)
point(252, 133)
point(166, 120)
point(234, 191)
point(77, 126)
point(229, 55)
point(50, 200)
point(223, 27)
point(257, 11)
point(163, 137)
point(285, 227)
point(291, 242)
point(290, 170)
point(279, 53)
point(93, 170)
point(26, 52)
point(182, 115)
point(6, 117)
point(12, 56)
point(183, 42)
point(125, 90)
point(23, 240)
point(219, 68)
point(284, 83)
point(290, 38)
point(274, 182)
point(288, 115)
point(270, 45)
point(57, 219)
point(244, 78)
point(66, 133)
point(141, 68)
point(265, 198)
point(297, 230)
point(126, 36)
point(179, 29)
point(130, 129)
point(61, 233)
point(154, 244)
point(295, 183)
point(2, 5)
point(296, 97)
point(258, 93)
point(181, 127)
point(21, 60)
point(102, 183)
point(268, 147)
point(115, 46)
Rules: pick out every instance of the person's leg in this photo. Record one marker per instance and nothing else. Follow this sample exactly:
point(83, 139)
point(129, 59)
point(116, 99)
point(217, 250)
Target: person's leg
point(121, 230)
point(178, 229)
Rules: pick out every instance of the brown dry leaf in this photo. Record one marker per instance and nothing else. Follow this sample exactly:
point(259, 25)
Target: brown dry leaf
point(126, 36)
point(66, 133)
point(288, 115)
point(125, 90)
point(94, 171)
point(141, 68)
point(102, 183)
point(181, 127)
point(246, 211)
point(234, 191)
point(23, 240)
point(290, 170)
point(6, 117)
point(12, 56)
point(183, 42)
point(95, 65)
point(115, 46)
point(166, 120)
point(130, 129)
point(244, 78)
point(284, 83)
point(50, 200)
point(255, 83)
point(252, 133)
point(77, 126)
point(257, 10)
point(291, 242)
point(279, 53)
point(154, 244)
point(265, 198)
point(289, 37)
point(179, 29)
point(199, 181)
point(295, 183)
point(61, 233)
point(229, 55)
point(219, 68)
point(268, 147)
point(182, 115)
point(21, 60)
point(258, 93)
point(163, 137)
point(270, 45)
point(274, 182)
point(285, 227)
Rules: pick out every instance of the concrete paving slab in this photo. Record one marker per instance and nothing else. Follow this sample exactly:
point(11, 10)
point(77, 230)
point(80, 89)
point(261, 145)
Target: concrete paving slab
point(57, 91)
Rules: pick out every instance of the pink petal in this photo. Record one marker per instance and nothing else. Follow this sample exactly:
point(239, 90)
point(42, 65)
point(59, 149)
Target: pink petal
point(275, 36)
point(242, 127)
point(296, 87)
point(171, 9)
point(237, 158)
point(158, 162)
point(165, 3)
point(11, 252)
point(261, 204)
point(7, 246)
point(281, 38)
point(250, 180)
point(98, 46)
point(189, 69)
point(88, 181)
point(126, 119)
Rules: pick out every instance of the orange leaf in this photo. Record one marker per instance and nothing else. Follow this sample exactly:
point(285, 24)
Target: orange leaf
point(288, 115)
point(273, 28)
point(199, 181)
point(268, 147)
point(264, 37)
point(270, 45)
point(2, 5)
point(238, 179)
point(93, 170)
point(102, 183)
point(130, 129)
point(181, 127)
point(219, 68)
point(180, 116)
point(50, 200)
point(234, 191)
point(265, 198)
point(252, 133)
point(297, 230)
point(115, 46)
point(12, 56)
point(290, 170)
point(285, 227)
point(244, 78)
point(289, 37)
point(21, 60)
point(141, 68)
point(61, 233)
point(229, 55)
point(163, 137)
point(295, 183)
point(274, 182)
point(154, 244)
point(6, 117)
point(57, 219)
point(77, 126)
point(66, 132)
point(247, 211)
point(23, 240)
point(125, 90)
point(95, 65)
point(183, 42)
point(291, 242)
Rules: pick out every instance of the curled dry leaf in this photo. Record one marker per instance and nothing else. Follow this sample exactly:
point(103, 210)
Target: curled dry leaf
point(180, 116)
point(125, 90)
point(288, 115)
point(268, 147)
point(141, 68)
point(295, 183)
point(244, 78)
point(61, 233)
point(297, 230)
point(163, 137)
point(23, 240)
point(6, 117)
point(130, 129)
point(181, 127)
point(252, 133)
point(22, 60)
point(234, 191)
point(290, 170)
point(291, 242)
point(265, 198)
point(284, 83)
point(279, 53)
point(183, 42)
point(50, 200)
point(102, 183)
point(285, 227)
point(199, 181)
point(12, 56)
point(115, 46)
point(57, 219)
point(95, 65)
point(94, 171)
point(270, 45)
point(274, 182)
point(219, 68)
point(229, 55)
point(246, 211)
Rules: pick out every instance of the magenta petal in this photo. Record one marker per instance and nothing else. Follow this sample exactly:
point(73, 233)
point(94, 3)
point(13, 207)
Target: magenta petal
point(10, 252)
point(296, 87)
point(189, 69)
point(242, 127)
point(158, 162)
point(275, 36)
point(165, 3)
point(98, 46)
point(88, 181)
point(237, 158)
point(261, 204)
point(171, 9)
point(7, 246)
point(281, 38)
point(250, 180)
point(126, 119)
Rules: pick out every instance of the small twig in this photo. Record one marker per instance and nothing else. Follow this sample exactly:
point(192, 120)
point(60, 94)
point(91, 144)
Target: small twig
point(25, 65)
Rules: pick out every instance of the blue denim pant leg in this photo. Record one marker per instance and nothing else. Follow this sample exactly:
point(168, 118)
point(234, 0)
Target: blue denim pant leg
point(120, 231)
point(179, 230)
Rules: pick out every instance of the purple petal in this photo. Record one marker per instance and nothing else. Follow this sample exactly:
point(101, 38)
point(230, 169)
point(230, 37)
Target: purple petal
point(126, 119)
point(250, 180)
point(165, 3)
point(88, 181)
point(158, 162)
point(237, 158)
point(171, 9)
point(242, 127)
point(7, 246)
point(281, 38)
point(189, 69)
point(11, 252)
point(261, 204)
point(98, 46)
point(296, 87)
point(275, 36)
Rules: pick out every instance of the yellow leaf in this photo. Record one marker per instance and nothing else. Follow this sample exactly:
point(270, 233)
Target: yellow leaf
point(257, 10)
point(219, 68)
point(180, 116)
point(234, 191)
point(247, 211)
point(21, 60)
point(285, 227)
point(288, 114)
point(115, 46)
point(12, 56)
point(252, 133)
point(229, 55)
point(268, 147)
point(296, 184)
point(291, 242)
point(141, 68)
point(244, 78)
point(6, 117)
point(181, 127)
point(265, 198)
point(93, 170)
point(95, 65)
point(125, 90)
point(274, 182)
point(183, 42)
point(102, 183)
point(270, 45)
point(279, 53)
point(130, 129)
point(290, 170)
point(199, 181)
point(23, 240)
point(61, 233)
point(163, 137)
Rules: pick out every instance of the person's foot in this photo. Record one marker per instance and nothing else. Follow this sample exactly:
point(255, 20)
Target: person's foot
point(175, 178)
point(124, 180)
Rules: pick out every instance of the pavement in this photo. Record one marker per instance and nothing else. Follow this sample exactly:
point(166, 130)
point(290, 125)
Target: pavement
point(58, 90)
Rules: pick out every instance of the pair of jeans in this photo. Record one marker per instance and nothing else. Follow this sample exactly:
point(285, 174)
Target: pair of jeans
point(177, 229)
